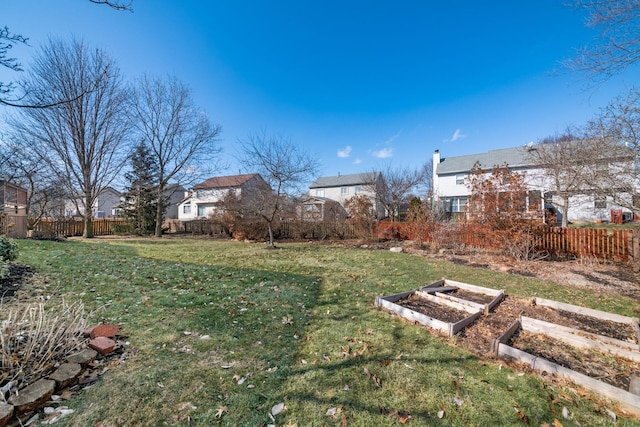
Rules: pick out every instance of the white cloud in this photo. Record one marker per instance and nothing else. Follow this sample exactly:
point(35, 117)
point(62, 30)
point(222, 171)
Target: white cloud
point(357, 161)
point(458, 135)
point(345, 153)
point(393, 138)
point(383, 154)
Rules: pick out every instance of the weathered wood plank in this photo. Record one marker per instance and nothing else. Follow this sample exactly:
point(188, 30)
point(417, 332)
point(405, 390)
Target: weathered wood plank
point(586, 311)
point(505, 336)
point(581, 339)
point(446, 302)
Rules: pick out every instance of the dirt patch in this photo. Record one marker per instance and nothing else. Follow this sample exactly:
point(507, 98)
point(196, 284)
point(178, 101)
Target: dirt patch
point(473, 296)
point(18, 274)
point(433, 309)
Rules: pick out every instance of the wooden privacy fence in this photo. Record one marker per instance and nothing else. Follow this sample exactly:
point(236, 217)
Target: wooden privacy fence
point(600, 243)
point(71, 227)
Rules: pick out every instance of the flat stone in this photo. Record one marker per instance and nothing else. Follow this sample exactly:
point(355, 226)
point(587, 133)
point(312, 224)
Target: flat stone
point(6, 412)
point(102, 345)
point(105, 330)
point(66, 374)
point(32, 396)
point(396, 249)
point(85, 357)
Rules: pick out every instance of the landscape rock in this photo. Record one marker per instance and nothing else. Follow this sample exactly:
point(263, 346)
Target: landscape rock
point(84, 357)
point(32, 396)
point(6, 412)
point(66, 374)
point(396, 249)
point(102, 345)
point(104, 330)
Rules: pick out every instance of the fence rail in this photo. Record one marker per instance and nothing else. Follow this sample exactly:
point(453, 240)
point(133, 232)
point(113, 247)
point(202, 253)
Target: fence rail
point(604, 244)
point(71, 227)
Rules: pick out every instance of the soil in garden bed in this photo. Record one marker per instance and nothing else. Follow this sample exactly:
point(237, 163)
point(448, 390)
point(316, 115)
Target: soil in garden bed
point(18, 274)
point(433, 309)
point(620, 331)
point(476, 297)
point(605, 367)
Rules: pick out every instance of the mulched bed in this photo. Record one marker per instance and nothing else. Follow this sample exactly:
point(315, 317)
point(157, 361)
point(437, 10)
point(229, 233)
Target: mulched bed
point(620, 331)
point(433, 309)
point(11, 284)
point(607, 368)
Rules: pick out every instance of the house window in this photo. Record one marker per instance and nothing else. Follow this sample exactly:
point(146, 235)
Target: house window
point(344, 190)
point(186, 208)
point(115, 212)
point(202, 210)
point(600, 202)
point(460, 179)
point(358, 189)
point(319, 193)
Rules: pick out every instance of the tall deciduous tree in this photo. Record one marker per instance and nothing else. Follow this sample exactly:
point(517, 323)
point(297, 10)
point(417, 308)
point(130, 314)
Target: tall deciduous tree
point(180, 137)
point(568, 162)
point(82, 141)
point(616, 132)
point(618, 44)
point(283, 165)
point(397, 184)
point(9, 39)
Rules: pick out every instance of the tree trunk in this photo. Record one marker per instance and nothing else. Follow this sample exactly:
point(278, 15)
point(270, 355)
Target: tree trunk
point(88, 214)
point(271, 244)
point(159, 215)
point(565, 212)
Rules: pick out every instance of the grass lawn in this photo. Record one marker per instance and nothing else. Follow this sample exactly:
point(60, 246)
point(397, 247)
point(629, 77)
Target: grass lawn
point(296, 326)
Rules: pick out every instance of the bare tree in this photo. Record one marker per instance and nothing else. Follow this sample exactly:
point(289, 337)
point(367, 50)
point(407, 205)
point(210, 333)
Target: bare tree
point(9, 39)
point(284, 166)
point(568, 163)
point(617, 132)
point(618, 46)
point(397, 184)
point(182, 140)
point(82, 141)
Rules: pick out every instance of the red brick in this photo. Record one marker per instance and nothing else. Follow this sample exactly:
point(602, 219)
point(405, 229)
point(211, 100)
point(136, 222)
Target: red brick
point(102, 345)
point(105, 330)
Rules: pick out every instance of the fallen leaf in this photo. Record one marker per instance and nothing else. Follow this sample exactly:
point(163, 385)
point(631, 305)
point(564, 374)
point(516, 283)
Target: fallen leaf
point(522, 416)
point(556, 423)
point(611, 414)
point(404, 417)
point(441, 413)
point(221, 411)
point(457, 401)
point(277, 408)
point(565, 413)
point(331, 412)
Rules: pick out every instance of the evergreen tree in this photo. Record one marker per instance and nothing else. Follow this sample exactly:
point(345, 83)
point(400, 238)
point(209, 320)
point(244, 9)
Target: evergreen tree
point(141, 200)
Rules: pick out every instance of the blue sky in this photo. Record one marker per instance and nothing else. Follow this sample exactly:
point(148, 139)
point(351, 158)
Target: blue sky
point(357, 83)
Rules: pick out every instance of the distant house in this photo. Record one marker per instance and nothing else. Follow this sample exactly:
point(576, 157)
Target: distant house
point(175, 193)
point(321, 209)
point(104, 206)
point(205, 198)
point(13, 209)
point(341, 188)
point(452, 193)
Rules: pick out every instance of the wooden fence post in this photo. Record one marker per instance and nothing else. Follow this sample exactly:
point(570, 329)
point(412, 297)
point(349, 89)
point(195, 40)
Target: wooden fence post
point(635, 250)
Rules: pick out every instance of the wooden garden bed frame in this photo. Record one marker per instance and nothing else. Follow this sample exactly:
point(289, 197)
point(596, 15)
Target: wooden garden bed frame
point(577, 338)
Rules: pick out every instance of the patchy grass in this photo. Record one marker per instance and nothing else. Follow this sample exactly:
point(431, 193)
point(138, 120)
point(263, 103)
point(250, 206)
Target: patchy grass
point(296, 326)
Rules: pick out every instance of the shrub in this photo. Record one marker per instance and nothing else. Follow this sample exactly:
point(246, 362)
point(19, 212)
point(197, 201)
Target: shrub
point(33, 339)
point(8, 253)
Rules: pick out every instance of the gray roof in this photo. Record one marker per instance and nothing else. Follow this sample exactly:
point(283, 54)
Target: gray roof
point(345, 180)
point(514, 157)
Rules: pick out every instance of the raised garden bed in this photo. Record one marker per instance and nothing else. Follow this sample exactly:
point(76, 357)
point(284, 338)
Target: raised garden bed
point(464, 293)
point(445, 305)
point(605, 365)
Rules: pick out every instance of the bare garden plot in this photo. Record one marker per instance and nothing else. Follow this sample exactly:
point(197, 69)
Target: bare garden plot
point(436, 306)
point(605, 365)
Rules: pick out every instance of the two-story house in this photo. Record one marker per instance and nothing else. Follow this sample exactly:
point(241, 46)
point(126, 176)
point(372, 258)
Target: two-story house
point(105, 205)
point(205, 198)
point(451, 190)
point(341, 188)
